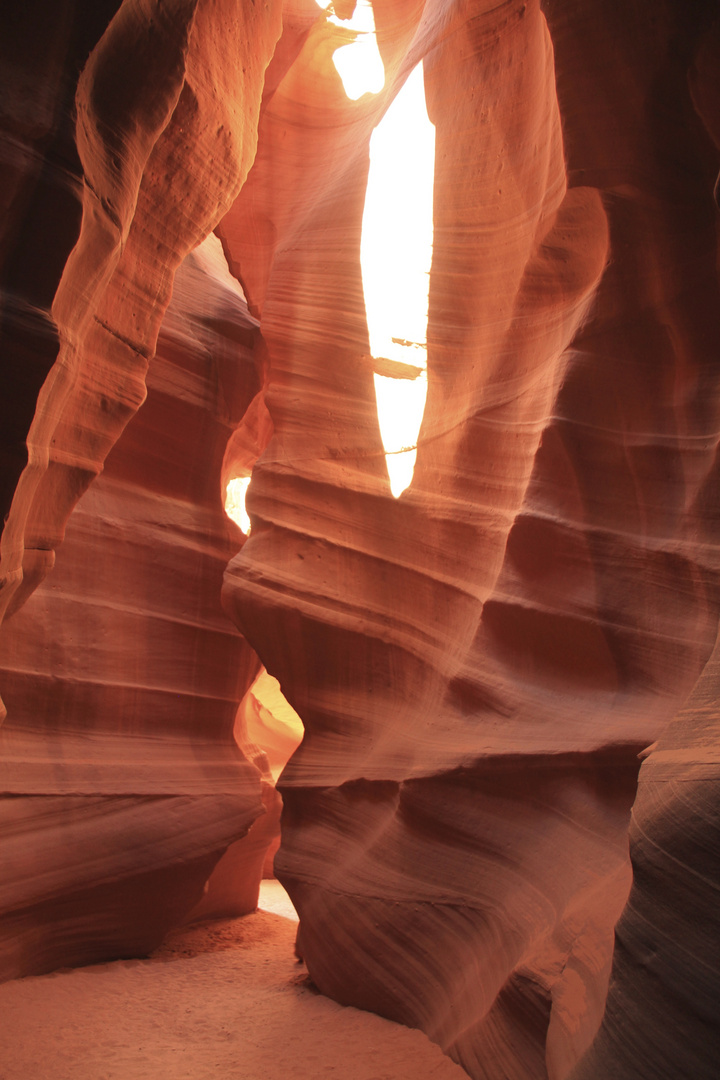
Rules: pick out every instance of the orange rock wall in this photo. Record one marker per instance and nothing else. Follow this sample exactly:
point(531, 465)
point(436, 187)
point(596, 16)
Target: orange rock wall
point(122, 675)
point(479, 663)
point(661, 1015)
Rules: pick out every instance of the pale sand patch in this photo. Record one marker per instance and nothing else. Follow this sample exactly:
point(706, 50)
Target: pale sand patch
point(274, 899)
point(224, 1000)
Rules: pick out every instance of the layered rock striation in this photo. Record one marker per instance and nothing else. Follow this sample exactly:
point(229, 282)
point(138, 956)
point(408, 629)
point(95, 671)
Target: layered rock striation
point(478, 663)
point(122, 676)
point(661, 1014)
point(124, 783)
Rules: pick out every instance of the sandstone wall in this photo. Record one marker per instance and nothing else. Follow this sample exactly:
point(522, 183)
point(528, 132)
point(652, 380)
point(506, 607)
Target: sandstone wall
point(123, 784)
point(479, 663)
point(122, 675)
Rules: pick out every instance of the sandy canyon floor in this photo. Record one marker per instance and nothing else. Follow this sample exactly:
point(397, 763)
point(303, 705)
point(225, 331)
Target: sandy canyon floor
point(226, 1000)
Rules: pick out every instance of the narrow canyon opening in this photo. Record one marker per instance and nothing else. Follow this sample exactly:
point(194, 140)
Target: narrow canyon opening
point(267, 729)
point(468, 389)
point(235, 508)
point(397, 240)
point(396, 257)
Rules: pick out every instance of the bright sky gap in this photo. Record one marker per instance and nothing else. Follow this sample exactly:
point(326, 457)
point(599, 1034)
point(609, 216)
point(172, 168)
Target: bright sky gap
point(397, 239)
point(395, 252)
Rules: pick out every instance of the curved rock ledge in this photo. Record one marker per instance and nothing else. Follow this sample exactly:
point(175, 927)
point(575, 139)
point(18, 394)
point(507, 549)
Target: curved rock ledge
point(122, 676)
point(478, 663)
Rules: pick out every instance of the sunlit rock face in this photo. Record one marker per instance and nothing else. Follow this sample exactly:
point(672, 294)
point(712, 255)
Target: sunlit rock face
point(479, 661)
point(165, 84)
point(42, 50)
point(122, 675)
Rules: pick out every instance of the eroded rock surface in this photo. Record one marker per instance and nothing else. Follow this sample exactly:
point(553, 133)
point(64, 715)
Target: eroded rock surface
point(478, 663)
point(122, 675)
point(661, 1015)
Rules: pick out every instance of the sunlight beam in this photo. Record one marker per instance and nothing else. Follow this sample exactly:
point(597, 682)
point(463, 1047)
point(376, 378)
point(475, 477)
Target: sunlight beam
point(395, 255)
point(397, 240)
point(235, 502)
point(358, 63)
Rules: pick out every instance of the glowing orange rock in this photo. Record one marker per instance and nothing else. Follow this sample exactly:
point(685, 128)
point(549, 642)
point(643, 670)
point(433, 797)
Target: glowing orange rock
point(478, 663)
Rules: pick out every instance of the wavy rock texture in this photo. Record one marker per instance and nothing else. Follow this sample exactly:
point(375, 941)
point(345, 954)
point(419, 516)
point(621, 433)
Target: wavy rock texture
point(39, 176)
point(41, 52)
point(661, 1016)
point(122, 675)
point(167, 111)
point(478, 663)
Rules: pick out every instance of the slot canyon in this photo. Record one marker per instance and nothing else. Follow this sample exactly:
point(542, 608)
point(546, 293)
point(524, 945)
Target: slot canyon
point(458, 693)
